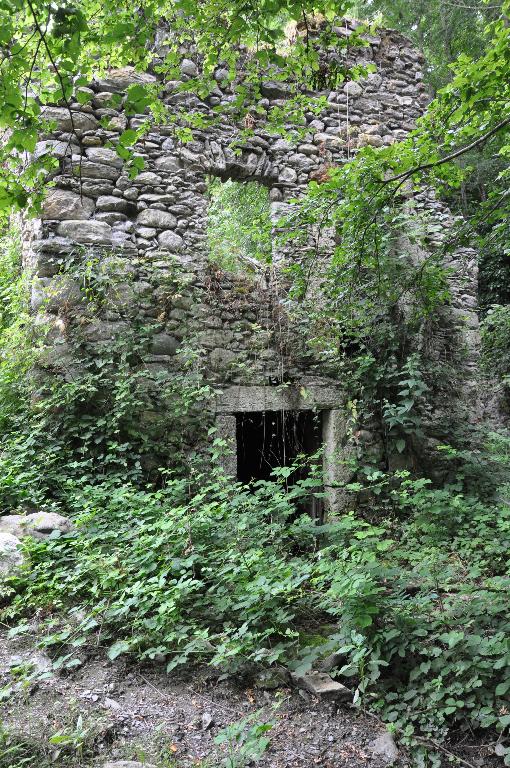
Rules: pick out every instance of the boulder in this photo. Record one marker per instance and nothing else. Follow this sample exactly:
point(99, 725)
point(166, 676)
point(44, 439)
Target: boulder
point(11, 557)
point(62, 204)
point(37, 524)
point(153, 217)
point(42, 524)
point(170, 241)
point(89, 232)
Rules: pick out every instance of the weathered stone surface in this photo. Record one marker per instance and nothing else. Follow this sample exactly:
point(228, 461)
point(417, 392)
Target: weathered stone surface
point(37, 524)
point(42, 524)
point(189, 68)
point(89, 170)
point(53, 148)
point(168, 164)
point(384, 747)
point(70, 120)
point(163, 344)
point(322, 685)
point(11, 557)
point(13, 524)
point(148, 178)
point(171, 241)
point(153, 217)
point(118, 204)
point(62, 204)
point(104, 155)
point(92, 232)
point(121, 79)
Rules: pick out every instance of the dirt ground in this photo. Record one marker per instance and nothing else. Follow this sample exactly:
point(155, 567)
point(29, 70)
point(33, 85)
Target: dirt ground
point(141, 713)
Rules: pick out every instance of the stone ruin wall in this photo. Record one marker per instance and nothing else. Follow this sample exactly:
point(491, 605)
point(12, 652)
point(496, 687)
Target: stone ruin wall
point(150, 226)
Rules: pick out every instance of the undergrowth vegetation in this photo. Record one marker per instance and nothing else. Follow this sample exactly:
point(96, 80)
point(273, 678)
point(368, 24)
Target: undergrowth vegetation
point(408, 588)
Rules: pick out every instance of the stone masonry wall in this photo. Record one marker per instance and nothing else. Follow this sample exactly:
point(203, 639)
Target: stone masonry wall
point(151, 230)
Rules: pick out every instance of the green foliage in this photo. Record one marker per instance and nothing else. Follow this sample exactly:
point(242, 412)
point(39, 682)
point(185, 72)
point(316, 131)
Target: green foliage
point(495, 331)
point(238, 225)
point(245, 741)
point(442, 31)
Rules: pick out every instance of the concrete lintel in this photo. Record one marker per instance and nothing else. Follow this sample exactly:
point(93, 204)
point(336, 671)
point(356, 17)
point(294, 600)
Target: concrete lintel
point(245, 399)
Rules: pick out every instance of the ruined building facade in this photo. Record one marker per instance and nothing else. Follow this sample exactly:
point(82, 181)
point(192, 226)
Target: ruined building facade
point(151, 229)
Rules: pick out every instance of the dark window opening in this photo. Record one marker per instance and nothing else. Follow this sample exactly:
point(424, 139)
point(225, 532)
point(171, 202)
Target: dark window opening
point(269, 439)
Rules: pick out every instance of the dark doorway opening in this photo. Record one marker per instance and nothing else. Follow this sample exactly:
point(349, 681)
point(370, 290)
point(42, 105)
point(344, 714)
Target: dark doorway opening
point(269, 439)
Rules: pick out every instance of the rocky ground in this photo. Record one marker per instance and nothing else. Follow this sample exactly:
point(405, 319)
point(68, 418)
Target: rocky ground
point(121, 715)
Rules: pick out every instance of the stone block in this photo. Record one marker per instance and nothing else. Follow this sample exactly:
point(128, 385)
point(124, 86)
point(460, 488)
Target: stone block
point(170, 241)
point(69, 120)
point(87, 232)
point(63, 204)
point(322, 685)
point(153, 217)
point(104, 155)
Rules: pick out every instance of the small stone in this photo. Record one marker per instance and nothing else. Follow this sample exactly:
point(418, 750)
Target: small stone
point(127, 764)
point(148, 178)
point(112, 704)
point(52, 148)
point(384, 746)
point(170, 241)
point(287, 175)
point(322, 685)
point(120, 79)
point(353, 89)
point(117, 204)
point(168, 164)
point(189, 68)
point(207, 721)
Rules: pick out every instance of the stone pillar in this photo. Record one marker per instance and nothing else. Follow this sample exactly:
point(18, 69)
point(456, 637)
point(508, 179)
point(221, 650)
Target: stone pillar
point(226, 431)
point(336, 456)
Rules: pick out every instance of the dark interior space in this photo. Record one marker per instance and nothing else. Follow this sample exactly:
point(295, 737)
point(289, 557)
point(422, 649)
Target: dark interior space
point(269, 439)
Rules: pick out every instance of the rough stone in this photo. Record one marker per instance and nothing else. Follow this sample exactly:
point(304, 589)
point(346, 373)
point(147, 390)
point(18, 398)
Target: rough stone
point(69, 120)
point(118, 204)
point(384, 747)
point(322, 685)
point(171, 241)
point(153, 217)
point(11, 557)
point(42, 524)
point(91, 232)
point(121, 79)
point(163, 344)
point(104, 155)
point(62, 204)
